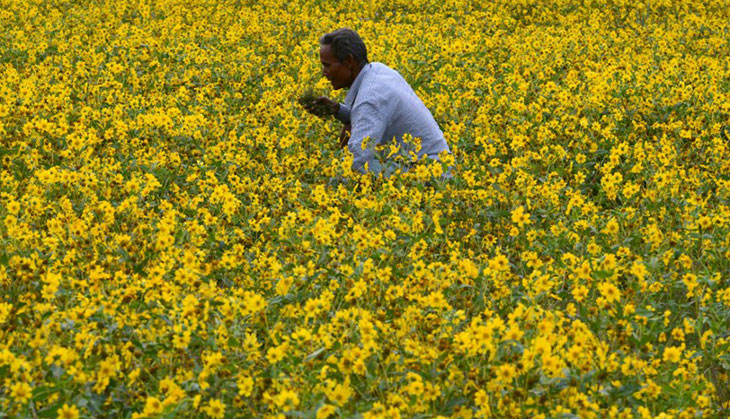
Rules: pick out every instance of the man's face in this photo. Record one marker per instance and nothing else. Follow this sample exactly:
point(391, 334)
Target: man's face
point(339, 73)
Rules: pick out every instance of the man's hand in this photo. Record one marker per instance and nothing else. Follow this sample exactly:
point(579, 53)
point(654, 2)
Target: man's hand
point(322, 107)
point(345, 135)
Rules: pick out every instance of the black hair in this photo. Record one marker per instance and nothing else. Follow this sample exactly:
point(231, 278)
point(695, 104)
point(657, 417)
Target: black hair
point(345, 42)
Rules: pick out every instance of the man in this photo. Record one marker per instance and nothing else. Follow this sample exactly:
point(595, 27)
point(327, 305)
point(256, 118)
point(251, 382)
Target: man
point(379, 105)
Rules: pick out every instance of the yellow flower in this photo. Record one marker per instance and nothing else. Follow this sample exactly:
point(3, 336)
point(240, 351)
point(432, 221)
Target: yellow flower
point(415, 388)
point(13, 207)
point(672, 354)
point(152, 406)
point(134, 375)
point(610, 292)
point(437, 226)
point(520, 217)
point(338, 393)
point(215, 409)
point(276, 353)
point(20, 392)
point(639, 270)
point(245, 385)
point(506, 373)
point(593, 248)
point(5, 309)
point(611, 227)
point(499, 263)
point(287, 400)
point(579, 293)
point(170, 215)
point(68, 412)
point(325, 411)
point(690, 281)
point(481, 398)
point(584, 270)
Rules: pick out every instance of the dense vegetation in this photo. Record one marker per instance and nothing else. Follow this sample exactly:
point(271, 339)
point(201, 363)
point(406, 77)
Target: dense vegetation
point(179, 237)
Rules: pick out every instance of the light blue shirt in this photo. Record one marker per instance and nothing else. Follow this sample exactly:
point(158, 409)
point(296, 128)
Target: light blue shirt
point(382, 105)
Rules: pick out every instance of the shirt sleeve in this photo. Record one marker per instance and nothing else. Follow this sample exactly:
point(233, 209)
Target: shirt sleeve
point(343, 114)
point(367, 122)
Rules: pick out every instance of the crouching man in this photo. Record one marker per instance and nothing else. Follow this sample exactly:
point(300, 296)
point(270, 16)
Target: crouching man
point(379, 105)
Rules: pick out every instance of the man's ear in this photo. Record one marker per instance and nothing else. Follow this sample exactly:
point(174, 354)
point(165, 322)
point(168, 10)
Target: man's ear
point(351, 62)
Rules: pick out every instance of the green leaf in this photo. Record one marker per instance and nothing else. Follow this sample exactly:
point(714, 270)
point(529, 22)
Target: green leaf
point(314, 354)
point(51, 411)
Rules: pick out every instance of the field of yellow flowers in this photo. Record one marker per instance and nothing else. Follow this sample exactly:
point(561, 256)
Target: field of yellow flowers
point(178, 237)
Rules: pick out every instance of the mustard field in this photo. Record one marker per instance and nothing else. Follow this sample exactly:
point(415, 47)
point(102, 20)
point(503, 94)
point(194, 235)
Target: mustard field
point(180, 238)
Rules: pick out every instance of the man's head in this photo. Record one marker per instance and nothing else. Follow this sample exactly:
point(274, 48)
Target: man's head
point(342, 54)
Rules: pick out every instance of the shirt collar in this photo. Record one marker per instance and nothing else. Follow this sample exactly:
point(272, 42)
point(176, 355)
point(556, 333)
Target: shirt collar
point(352, 93)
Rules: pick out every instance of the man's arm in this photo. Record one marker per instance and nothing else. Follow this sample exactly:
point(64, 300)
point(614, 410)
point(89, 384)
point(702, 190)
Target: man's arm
point(367, 122)
point(343, 113)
